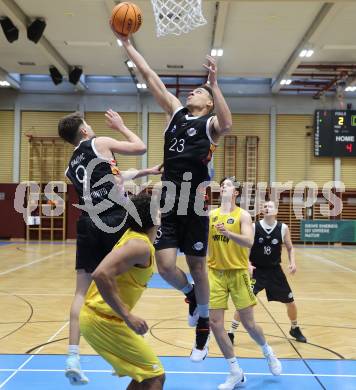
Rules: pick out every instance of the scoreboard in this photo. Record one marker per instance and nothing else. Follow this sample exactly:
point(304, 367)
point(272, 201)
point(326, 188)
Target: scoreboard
point(335, 133)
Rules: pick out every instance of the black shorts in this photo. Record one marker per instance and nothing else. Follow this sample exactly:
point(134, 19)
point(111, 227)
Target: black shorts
point(93, 244)
point(274, 281)
point(188, 233)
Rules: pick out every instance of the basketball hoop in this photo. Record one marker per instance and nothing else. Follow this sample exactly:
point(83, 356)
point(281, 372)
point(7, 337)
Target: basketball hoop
point(177, 16)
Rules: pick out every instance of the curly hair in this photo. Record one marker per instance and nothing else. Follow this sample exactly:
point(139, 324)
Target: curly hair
point(142, 203)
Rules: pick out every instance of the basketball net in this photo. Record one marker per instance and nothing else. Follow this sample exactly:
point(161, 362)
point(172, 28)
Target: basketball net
point(177, 16)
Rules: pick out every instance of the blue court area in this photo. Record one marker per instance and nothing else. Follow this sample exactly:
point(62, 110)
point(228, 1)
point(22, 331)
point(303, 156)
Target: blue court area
point(45, 372)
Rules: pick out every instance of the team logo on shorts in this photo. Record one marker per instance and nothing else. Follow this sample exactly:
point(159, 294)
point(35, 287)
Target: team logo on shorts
point(275, 241)
point(260, 240)
point(290, 295)
point(191, 132)
point(230, 221)
point(198, 246)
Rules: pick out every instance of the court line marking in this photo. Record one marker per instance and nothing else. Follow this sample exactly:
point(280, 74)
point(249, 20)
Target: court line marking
point(32, 356)
point(190, 372)
point(31, 263)
point(328, 261)
point(24, 293)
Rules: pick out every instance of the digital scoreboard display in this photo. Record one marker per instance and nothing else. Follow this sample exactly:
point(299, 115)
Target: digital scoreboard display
point(335, 133)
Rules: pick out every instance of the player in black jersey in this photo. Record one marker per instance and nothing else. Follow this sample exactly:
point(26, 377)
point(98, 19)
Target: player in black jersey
point(265, 259)
point(189, 141)
point(92, 160)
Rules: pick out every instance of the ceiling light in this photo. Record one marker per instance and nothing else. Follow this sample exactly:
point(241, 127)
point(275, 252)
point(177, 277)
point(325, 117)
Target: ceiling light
point(309, 53)
point(350, 89)
point(217, 52)
point(303, 53)
point(141, 86)
point(130, 64)
point(286, 82)
point(119, 43)
point(4, 83)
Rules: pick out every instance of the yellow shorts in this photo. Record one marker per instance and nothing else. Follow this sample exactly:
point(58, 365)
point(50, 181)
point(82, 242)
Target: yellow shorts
point(234, 282)
point(127, 352)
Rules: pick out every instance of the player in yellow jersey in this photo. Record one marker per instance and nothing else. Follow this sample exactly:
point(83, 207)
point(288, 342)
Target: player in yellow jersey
point(106, 320)
point(230, 237)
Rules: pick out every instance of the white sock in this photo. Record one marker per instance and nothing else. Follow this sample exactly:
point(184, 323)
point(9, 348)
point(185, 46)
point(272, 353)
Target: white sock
point(234, 325)
point(294, 324)
point(266, 349)
point(187, 288)
point(233, 364)
point(73, 349)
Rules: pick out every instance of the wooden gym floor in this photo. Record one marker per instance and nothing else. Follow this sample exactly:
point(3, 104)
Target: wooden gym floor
point(37, 284)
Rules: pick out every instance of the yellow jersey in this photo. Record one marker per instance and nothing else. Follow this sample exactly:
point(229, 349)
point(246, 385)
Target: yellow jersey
point(224, 253)
point(130, 284)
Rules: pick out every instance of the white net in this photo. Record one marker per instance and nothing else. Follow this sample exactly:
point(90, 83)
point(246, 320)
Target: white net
point(177, 16)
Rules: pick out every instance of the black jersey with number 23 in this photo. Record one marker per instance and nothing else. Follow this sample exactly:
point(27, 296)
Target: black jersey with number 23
point(188, 147)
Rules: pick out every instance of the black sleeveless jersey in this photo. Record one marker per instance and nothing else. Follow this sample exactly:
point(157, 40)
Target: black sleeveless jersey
point(188, 147)
point(77, 173)
point(267, 247)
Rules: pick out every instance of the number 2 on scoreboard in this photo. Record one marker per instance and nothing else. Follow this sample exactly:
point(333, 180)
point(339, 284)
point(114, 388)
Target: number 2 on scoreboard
point(341, 121)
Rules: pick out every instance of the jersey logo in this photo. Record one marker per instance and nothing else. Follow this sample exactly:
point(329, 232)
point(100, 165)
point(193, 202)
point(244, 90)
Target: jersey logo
point(230, 221)
point(191, 132)
point(260, 240)
point(198, 246)
point(275, 241)
point(267, 250)
point(174, 128)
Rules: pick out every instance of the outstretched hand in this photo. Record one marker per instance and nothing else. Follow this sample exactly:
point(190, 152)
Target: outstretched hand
point(212, 69)
point(113, 120)
point(157, 169)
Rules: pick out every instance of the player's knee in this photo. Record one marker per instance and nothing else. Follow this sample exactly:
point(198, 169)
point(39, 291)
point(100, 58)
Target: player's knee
point(165, 270)
point(198, 273)
point(216, 324)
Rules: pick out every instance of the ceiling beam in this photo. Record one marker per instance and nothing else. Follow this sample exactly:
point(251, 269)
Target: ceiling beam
point(294, 59)
point(222, 9)
point(19, 18)
point(7, 77)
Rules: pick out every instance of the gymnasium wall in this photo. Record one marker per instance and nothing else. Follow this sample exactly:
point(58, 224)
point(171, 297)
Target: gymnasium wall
point(6, 145)
point(294, 145)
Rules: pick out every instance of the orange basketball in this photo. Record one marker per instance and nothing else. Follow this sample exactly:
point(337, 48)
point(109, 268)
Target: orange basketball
point(126, 18)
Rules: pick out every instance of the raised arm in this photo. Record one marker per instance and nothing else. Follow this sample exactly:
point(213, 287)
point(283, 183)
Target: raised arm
point(107, 145)
point(222, 122)
point(291, 255)
point(118, 261)
point(164, 98)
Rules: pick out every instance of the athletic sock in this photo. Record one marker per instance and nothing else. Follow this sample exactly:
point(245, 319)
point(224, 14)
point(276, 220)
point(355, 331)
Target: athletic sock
point(234, 325)
point(73, 349)
point(233, 364)
point(187, 289)
point(266, 349)
point(203, 310)
point(294, 324)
